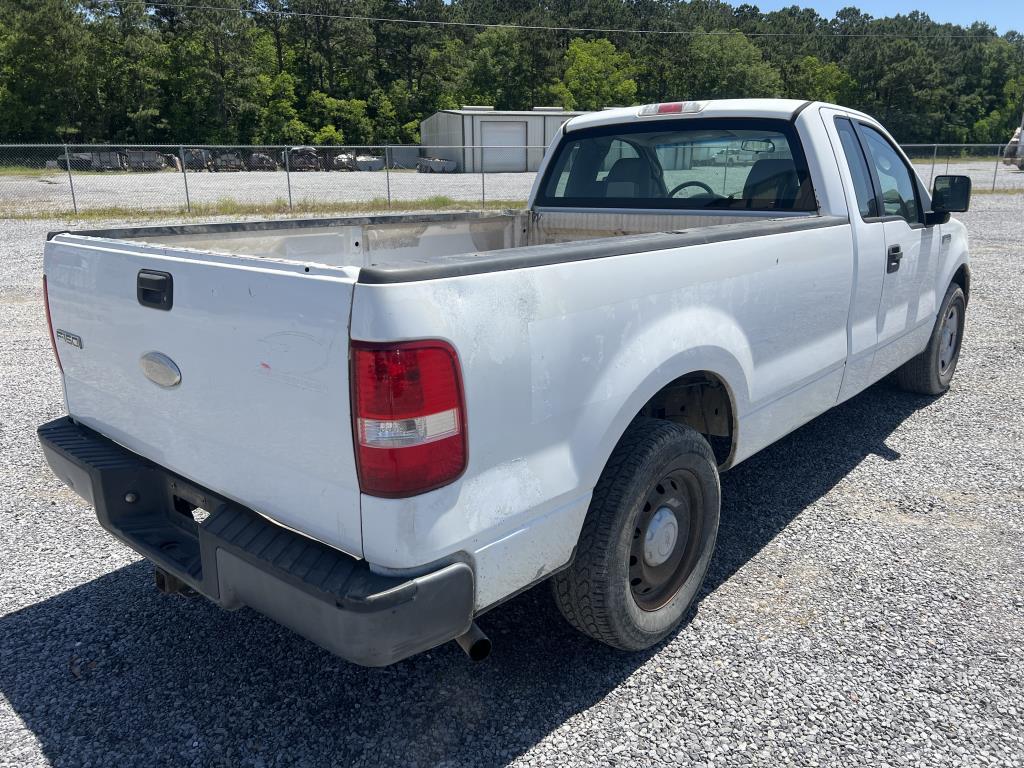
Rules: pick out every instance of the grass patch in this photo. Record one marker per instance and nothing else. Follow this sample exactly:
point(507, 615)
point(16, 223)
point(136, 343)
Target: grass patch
point(26, 171)
point(22, 171)
point(278, 207)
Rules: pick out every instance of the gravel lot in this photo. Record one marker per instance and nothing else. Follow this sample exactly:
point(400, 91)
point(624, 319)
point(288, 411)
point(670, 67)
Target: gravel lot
point(865, 606)
point(153, 191)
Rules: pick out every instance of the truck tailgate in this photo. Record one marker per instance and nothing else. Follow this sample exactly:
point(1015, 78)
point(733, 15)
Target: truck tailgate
point(261, 412)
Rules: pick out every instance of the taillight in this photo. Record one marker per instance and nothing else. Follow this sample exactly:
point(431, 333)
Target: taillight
point(49, 323)
point(672, 108)
point(408, 415)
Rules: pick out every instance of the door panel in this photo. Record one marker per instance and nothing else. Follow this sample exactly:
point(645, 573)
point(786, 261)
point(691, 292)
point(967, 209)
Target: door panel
point(908, 301)
point(869, 245)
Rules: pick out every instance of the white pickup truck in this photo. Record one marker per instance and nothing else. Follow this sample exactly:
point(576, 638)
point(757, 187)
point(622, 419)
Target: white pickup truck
point(373, 429)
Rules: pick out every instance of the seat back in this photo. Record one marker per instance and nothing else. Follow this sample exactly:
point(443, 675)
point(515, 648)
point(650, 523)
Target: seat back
point(770, 182)
point(629, 177)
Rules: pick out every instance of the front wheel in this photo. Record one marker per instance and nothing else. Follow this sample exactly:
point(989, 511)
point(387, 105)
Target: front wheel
point(931, 371)
point(647, 539)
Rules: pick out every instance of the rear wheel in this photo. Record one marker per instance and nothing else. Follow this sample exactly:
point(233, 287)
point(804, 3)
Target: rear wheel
point(647, 540)
point(931, 372)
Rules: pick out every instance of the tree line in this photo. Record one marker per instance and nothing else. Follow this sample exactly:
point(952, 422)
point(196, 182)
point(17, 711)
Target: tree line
point(291, 71)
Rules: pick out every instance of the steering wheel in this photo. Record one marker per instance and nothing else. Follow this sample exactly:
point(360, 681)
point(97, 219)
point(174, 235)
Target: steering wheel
point(691, 183)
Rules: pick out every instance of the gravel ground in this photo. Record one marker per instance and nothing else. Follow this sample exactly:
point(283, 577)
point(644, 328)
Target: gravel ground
point(153, 191)
point(865, 605)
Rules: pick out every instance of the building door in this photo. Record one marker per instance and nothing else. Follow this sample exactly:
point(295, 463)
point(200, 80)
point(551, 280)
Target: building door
point(504, 146)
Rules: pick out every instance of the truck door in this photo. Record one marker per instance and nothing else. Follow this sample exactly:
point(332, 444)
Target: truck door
point(908, 302)
point(869, 245)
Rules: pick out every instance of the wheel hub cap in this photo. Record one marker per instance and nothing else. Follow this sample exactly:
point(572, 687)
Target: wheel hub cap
point(947, 350)
point(666, 539)
point(660, 539)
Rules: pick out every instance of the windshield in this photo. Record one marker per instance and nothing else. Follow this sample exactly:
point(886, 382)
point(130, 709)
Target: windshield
point(753, 165)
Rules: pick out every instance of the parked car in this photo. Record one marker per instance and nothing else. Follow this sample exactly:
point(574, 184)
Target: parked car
point(435, 165)
point(198, 159)
point(397, 422)
point(78, 161)
point(733, 156)
point(261, 161)
point(145, 160)
point(344, 161)
point(94, 161)
point(301, 159)
point(229, 160)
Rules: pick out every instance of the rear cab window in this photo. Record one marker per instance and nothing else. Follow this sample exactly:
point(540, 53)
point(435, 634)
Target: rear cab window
point(696, 164)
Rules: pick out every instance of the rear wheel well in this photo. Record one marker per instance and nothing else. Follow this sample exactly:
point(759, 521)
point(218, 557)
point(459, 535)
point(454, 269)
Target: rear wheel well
point(962, 277)
point(700, 400)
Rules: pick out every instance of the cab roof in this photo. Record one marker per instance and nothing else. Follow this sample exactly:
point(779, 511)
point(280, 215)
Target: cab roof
point(764, 108)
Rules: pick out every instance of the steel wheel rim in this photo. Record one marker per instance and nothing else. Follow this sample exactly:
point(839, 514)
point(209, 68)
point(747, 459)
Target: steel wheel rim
point(948, 346)
point(657, 571)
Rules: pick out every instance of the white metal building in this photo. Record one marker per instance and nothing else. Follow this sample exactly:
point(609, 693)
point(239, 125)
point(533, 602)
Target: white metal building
point(510, 141)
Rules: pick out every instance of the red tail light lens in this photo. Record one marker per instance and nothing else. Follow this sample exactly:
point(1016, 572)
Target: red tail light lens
point(49, 323)
point(408, 416)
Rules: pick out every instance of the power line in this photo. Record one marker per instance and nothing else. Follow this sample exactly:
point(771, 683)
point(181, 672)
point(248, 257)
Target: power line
point(529, 27)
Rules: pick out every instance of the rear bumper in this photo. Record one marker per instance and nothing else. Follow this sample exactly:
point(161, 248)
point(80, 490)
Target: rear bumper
point(236, 557)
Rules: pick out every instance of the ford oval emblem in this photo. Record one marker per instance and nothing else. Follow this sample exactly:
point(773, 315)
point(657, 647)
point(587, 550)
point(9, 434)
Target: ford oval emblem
point(160, 369)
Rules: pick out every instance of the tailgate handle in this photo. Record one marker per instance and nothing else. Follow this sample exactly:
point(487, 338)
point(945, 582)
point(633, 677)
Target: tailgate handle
point(155, 289)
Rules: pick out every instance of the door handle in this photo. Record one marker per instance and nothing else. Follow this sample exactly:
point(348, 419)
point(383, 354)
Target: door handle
point(155, 289)
point(892, 262)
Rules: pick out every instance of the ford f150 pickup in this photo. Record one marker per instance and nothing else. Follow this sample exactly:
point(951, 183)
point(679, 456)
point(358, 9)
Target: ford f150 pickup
point(373, 429)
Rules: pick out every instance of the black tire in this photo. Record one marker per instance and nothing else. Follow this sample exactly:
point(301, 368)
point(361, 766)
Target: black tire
point(656, 465)
point(931, 371)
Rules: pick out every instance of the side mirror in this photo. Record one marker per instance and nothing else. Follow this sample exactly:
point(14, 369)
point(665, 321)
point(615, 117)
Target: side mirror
point(951, 194)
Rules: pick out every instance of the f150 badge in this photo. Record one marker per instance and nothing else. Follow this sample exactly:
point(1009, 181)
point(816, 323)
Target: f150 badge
point(70, 338)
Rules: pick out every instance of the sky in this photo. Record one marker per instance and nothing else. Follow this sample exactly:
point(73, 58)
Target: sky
point(999, 13)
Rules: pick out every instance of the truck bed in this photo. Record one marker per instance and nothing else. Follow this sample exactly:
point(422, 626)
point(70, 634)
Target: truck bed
point(401, 247)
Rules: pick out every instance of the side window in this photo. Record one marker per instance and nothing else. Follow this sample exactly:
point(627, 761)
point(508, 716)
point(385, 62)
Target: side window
point(858, 169)
point(899, 197)
point(562, 175)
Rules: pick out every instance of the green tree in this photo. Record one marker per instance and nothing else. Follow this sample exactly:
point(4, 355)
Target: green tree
point(998, 125)
point(212, 87)
point(349, 115)
point(382, 115)
point(812, 79)
point(279, 119)
point(497, 71)
point(596, 76)
point(329, 136)
point(724, 67)
point(45, 73)
point(128, 59)
point(122, 70)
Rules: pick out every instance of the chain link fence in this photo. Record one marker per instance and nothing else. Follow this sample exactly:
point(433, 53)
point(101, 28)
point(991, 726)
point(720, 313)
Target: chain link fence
point(46, 180)
point(992, 167)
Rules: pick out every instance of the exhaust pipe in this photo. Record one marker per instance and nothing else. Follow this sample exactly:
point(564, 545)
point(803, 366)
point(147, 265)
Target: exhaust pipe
point(475, 643)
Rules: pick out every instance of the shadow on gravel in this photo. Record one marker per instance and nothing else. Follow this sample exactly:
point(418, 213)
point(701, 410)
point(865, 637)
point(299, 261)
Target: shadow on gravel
point(111, 673)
